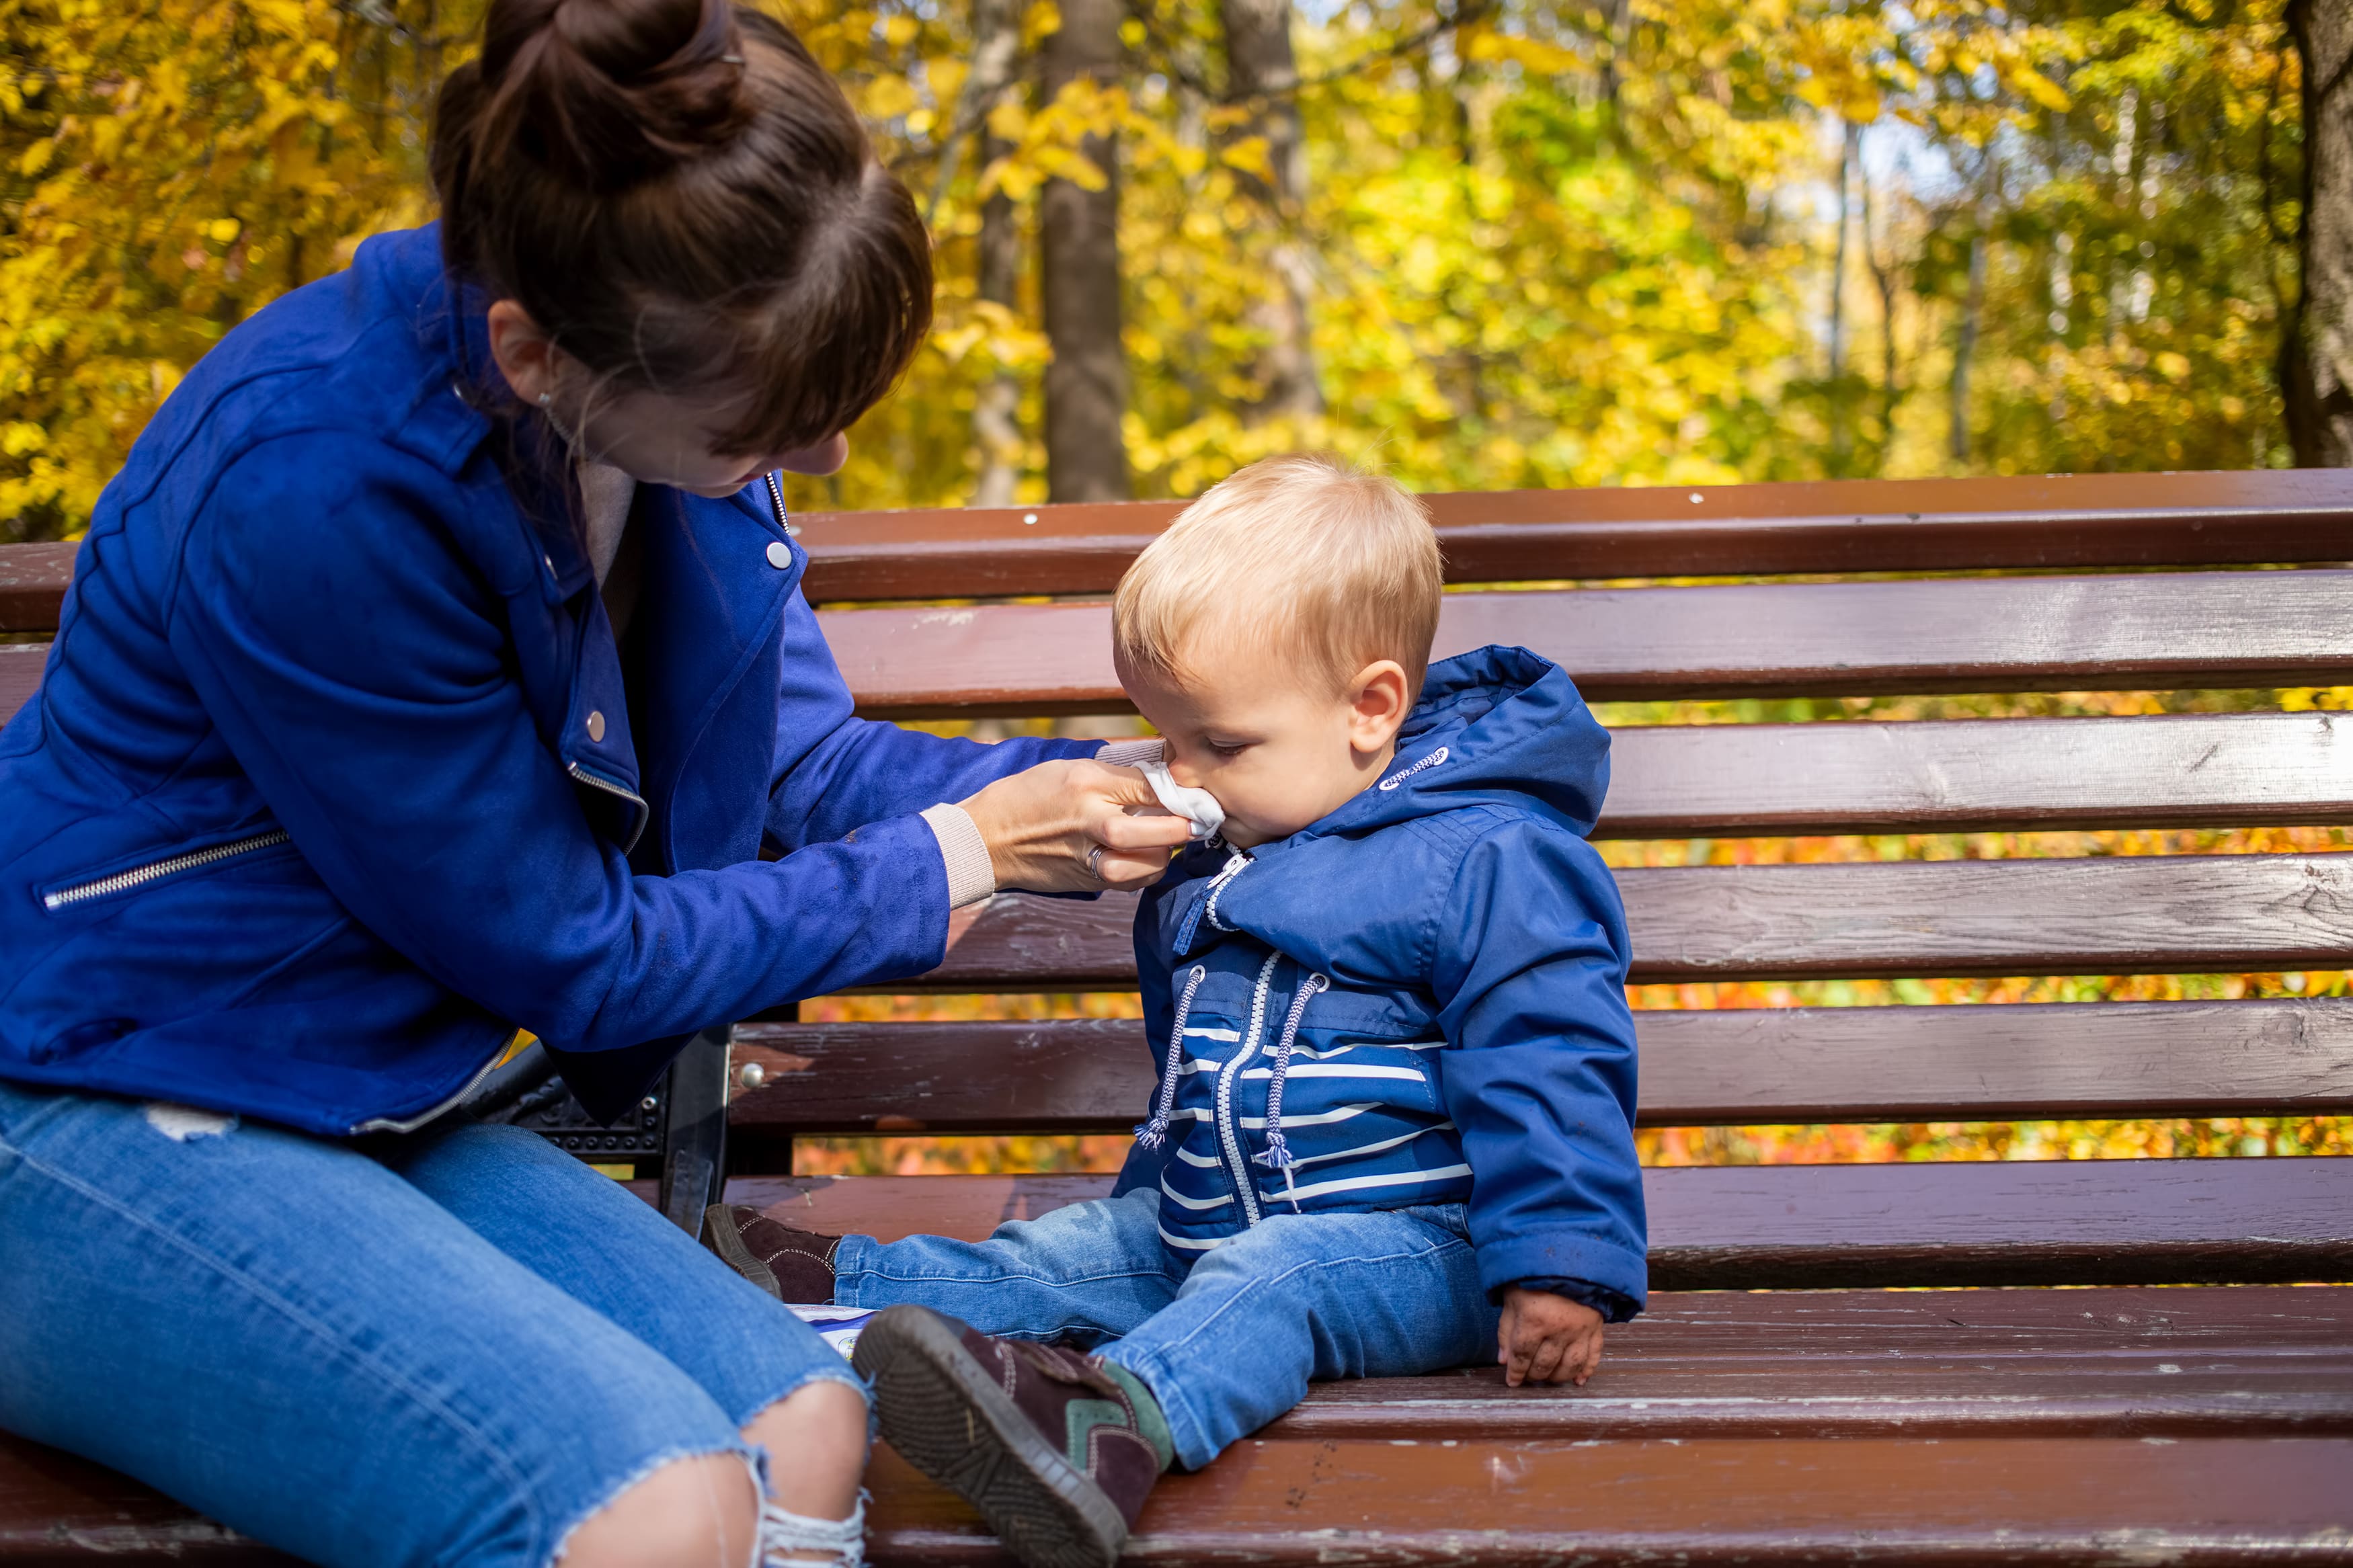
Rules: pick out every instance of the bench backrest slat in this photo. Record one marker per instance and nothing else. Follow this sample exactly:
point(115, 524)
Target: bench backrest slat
point(1765, 1065)
point(2160, 914)
point(1867, 525)
point(2069, 521)
point(2125, 632)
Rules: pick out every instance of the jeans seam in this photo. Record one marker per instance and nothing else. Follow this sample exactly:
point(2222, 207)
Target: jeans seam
point(1259, 1281)
point(360, 1360)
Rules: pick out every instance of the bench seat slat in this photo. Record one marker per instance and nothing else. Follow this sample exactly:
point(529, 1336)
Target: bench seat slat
point(1884, 1501)
point(2182, 1364)
point(2053, 1222)
point(2194, 1360)
point(1757, 1064)
point(2155, 915)
point(1976, 634)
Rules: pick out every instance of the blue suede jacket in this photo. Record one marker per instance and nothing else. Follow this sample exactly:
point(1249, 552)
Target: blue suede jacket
point(337, 776)
point(1419, 999)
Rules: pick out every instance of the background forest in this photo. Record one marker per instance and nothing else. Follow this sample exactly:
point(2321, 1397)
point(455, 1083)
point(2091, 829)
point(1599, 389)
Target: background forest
point(1481, 244)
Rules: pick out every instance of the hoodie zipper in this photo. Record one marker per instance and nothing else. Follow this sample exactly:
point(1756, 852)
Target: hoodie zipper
point(1230, 1135)
point(1209, 904)
point(140, 876)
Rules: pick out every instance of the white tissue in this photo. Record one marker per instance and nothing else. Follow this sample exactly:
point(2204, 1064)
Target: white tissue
point(1197, 806)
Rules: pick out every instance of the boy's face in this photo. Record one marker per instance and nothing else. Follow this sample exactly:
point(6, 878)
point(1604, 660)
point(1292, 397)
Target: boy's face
point(1277, 748)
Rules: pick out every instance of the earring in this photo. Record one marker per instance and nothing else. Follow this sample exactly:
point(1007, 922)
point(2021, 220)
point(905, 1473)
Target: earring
point(545, 398)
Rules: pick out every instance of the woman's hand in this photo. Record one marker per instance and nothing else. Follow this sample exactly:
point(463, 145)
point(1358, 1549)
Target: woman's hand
point(1042, 825)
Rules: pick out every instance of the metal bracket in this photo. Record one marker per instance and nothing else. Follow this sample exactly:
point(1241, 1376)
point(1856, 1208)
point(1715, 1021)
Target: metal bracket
point(694, 1143)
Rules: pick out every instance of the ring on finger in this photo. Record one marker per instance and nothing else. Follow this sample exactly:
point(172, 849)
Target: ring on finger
point(1095, 862)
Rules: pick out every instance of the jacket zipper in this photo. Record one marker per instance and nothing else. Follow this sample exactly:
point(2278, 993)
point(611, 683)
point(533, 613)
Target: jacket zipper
point(1230, 1136)
point(594, 781)
point(140, 876)
point(1209, 904)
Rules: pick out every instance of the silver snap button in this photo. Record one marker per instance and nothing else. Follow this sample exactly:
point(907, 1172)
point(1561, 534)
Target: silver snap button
point(780, 555)
point(596, 725)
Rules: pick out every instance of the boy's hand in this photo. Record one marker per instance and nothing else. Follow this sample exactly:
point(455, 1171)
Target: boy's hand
point(1548, 1338)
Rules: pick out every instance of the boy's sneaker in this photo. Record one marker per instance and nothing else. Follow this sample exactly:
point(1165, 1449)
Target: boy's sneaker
point(790, 1264)
point(1057, 1450)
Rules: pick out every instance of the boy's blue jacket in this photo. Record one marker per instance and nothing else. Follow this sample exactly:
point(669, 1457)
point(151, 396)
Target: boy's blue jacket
point(1431, 981)
point(337, 777)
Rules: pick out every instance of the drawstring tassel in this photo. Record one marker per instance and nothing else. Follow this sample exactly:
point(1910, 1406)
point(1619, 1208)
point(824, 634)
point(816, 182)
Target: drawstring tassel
point(1151, 1134)
point(1278, 1155)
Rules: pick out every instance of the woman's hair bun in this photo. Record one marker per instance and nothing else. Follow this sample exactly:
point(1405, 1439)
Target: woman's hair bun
point(607, 93)
point(685, 202)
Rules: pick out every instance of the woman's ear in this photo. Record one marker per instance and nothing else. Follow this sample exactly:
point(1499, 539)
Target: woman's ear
point(1378, 701)
point(526, 355)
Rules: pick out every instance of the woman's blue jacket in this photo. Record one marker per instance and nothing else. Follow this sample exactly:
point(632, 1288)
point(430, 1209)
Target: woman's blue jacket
point(336, 777)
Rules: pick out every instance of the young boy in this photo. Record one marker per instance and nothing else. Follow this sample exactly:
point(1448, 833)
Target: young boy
point(1393, 1127)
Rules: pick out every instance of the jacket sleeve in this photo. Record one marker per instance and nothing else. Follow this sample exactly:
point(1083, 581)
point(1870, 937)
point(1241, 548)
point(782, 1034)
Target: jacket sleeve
point(835, 772)
point(357, 664)
point(1530, 974)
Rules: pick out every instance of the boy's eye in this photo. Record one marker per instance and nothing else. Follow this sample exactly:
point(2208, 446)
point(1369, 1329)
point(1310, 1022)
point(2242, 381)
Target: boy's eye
point(1229, 748)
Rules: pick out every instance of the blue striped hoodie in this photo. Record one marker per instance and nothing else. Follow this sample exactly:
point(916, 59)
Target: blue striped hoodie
point(1419, 999)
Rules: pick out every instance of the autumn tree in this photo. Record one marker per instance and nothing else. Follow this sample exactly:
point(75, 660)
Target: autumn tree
point(2316, 352)
point(1078, 222)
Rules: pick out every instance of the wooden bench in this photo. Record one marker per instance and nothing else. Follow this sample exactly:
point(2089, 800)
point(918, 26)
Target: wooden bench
point(2192, 1402)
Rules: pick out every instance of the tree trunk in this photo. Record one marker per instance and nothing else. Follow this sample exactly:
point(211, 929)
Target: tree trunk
point(1840, 440)
point(2316, 352)
point(1263, 74)
point(1965, 347)
point(1086, 384)
point(996, 413)
point(1884, 277)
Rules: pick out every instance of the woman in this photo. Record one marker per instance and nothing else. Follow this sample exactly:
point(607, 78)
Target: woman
point(435, 668)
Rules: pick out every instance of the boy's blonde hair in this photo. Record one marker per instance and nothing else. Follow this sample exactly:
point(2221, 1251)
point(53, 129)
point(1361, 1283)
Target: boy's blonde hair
point(1301, 556)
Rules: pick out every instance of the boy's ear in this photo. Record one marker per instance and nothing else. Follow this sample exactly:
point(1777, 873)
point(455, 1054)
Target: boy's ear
point(1378, 701)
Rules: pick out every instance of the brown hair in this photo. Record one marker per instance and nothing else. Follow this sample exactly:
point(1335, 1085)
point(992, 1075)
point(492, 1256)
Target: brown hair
point(684, 201)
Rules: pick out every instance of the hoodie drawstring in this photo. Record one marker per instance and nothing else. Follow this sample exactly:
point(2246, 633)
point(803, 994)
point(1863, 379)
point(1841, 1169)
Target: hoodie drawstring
point(1151, 1133)
point(1278, 1156)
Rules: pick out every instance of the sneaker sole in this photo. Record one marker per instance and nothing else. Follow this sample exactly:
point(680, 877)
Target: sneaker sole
point(719, 1225)
point(944, 1413)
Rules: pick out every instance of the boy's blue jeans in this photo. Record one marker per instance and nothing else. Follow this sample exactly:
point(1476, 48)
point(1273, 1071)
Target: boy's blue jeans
point(448, 1353)
point(1228, 1346)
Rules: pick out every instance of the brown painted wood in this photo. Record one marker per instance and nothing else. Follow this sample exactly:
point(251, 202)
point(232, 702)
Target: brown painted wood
point(2179, 914)
point(2239, 769)
point(20, 675)
point(56, 1509)
point(1757, 1504)
point(1744, 1066)
point(2193, 1361)
point(2179, 1365)
point(1907, 525)
point(2215, 769)
point(2059, 1222)
point(2133, 632)
point(33, 582)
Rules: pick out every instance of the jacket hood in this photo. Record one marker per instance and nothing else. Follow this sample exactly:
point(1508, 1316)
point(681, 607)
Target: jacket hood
point(1498, 726)
point(1500, 732)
